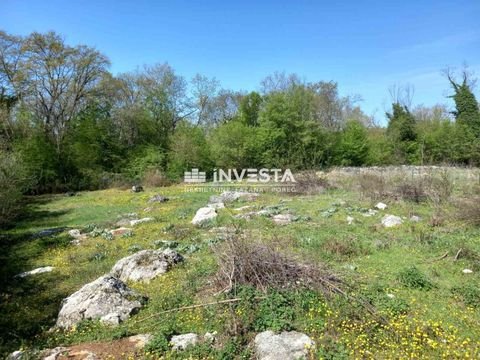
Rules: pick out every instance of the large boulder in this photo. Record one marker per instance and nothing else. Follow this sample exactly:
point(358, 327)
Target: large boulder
point(145, 265)
point(204, 214)
point(107, 298)
point(289, 345)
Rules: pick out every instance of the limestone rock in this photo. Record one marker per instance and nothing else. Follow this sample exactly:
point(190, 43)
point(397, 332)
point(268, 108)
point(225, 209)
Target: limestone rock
point(37, 271)
point(391, 221)
point(107, 297)
point(204, 214)
point(290, 345)
point(145, 265)
point(181, 342)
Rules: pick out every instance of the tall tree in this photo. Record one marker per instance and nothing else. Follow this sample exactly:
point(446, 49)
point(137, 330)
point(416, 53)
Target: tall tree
point(467, 111)
point(402, 132)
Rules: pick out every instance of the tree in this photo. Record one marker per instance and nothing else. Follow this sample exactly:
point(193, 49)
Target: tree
point(188, 150)
point(401, 130)
point(250, 108)
point(467, 111)
point(353, 146)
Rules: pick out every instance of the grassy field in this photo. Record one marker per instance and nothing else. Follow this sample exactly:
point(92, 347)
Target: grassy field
point(425, 306)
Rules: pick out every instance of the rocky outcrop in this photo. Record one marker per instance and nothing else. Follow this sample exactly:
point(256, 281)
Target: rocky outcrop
point(107, 298)
point(290, 345)
point(145, 265)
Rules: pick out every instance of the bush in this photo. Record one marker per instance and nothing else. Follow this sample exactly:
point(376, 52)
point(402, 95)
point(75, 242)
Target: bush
point(469, 293)
point(308, 182)
point(13, 182)
point(372, 186)
point(413, 278)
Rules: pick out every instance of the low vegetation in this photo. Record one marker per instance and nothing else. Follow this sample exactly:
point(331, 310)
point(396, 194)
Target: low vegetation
point(359, 290)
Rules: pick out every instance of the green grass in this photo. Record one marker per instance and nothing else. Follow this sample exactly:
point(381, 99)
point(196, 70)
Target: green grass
point(374, 261)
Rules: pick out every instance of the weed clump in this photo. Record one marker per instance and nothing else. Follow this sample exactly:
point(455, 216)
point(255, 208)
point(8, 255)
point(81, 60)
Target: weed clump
point(412, 277)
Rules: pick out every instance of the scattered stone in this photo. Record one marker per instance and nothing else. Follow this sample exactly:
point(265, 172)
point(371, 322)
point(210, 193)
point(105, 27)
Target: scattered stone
point(145, 265)
point(140, 340)
point(107, 297)
point(16, 355)
point(111, 319)
point(230, 196)
point(141, 221)
point(37, 271)
point(283, 219)
point(381, 206)
point(53, 354)
point(285, 346)
point(147, 209)
point(350, 220)
point(415, 218)
point(181, 342)
point(217, 205)
point(391, 296)
point(467, 271)
point(158, 198)
point(351, 267)
point(391, 221)
point(121, 231)
point(137, 188)
point(210, 337)
point(370, 212)
point(77, 236)
point(204, 214)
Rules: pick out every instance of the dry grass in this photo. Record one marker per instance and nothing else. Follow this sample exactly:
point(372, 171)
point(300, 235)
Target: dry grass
point(309, 183)
point(265, 266)
point(468, 210)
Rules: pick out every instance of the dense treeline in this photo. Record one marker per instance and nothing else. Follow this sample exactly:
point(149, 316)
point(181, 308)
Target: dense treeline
point(67, 123)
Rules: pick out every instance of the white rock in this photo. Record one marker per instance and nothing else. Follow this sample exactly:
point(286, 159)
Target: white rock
point(16, 355)
point(370, 212)
point(53, 354)
point(391, 221)
point(381, 206)
point(140, 221)
point(37, 271)
point(467, 271)
point(104, 298)
point(210, 337)
point(285, 346)
point(350, 220)
point(181, 342)
point(145, 265)
point(391, 296)
point(204, 214)
point(415, 218)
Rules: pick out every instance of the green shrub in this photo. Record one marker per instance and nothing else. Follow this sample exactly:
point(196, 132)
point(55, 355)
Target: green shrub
point(413, 278)
point(469, 293)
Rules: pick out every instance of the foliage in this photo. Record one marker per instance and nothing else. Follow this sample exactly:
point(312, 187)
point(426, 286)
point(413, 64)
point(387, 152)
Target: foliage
point(412, 277)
